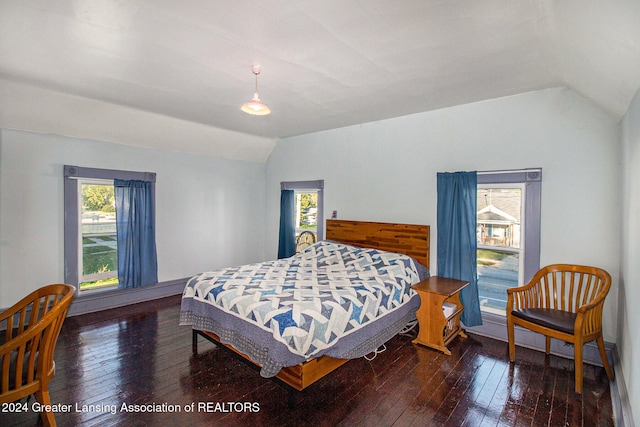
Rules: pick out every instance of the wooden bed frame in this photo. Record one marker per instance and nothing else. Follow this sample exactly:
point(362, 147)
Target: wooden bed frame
point(408, 239)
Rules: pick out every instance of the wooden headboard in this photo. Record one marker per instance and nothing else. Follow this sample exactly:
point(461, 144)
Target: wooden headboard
point(408, 239)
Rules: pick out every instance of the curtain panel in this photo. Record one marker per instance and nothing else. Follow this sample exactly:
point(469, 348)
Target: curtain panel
point(135, 226)
point(287, 239)
point(457, 244)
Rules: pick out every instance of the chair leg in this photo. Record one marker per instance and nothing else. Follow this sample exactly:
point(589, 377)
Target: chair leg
point(42, 396)
point(605, 360)
point(511, 338)
point(578, 366)
point(547, 344)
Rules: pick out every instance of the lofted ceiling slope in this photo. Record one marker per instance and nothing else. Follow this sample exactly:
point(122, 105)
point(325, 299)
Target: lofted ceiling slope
point(325, 64)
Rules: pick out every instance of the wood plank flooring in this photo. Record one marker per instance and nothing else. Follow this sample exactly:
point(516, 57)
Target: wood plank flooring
point(138, 355)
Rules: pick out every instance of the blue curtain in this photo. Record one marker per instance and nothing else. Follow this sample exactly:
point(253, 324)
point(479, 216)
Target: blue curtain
point(287, 241)
point(457, 244)
point(135, 226)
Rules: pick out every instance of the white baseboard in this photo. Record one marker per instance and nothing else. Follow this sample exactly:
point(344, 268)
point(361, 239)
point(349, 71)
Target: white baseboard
point(622, 414)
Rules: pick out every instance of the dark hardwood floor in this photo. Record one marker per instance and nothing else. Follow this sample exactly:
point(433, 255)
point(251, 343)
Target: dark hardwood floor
point(138, 355)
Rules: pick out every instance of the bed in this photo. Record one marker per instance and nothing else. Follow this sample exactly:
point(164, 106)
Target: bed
point(300, 318)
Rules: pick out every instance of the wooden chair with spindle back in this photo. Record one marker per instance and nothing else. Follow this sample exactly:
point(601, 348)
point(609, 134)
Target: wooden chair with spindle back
point(304, 240)
point(28, 334)
point(565, 302)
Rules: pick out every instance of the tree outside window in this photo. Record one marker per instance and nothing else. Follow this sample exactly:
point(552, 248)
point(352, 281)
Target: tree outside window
point(306, 211)
point(99, 267)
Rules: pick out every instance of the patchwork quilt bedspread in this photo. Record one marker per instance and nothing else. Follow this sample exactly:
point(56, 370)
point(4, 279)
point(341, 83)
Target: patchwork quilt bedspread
point(310, 301)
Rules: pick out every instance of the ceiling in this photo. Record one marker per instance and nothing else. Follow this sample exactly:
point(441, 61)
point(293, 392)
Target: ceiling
point(325, 64)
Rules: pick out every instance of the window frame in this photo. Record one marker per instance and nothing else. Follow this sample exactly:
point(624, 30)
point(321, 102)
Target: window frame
point(310, 186)
point(532, 180)
point(73, 175)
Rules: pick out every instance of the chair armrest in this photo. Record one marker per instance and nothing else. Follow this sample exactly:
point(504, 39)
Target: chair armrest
point(524, 296)
point(16, 316)
point(22, 338)
point(26, 348)
point(11, 311)
point(13, 322)
point(522, 288)
point(597, 301)
point(18, 306)
point(589, 316)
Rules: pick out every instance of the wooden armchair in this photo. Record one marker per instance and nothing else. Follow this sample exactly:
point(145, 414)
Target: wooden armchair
point(304, 240)
point(28, 334)
point(565, 302)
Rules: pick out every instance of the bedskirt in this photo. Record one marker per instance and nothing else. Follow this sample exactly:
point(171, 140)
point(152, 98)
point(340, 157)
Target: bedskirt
point(272, 355)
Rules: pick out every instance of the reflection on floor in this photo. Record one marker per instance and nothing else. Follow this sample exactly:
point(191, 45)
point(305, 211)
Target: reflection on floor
point(133, 367)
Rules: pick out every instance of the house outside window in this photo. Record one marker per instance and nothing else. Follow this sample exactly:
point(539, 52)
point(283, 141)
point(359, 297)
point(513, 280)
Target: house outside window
point(508, 234)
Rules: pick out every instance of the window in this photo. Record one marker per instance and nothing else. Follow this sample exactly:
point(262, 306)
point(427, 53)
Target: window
point(308, 206)
point(306, 215)
point(90, 244)
point(508, 233)
point(98, 262)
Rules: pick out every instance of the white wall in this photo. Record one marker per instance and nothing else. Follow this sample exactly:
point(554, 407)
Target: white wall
point(629, 292)
point(209, 211)
point(386, 171)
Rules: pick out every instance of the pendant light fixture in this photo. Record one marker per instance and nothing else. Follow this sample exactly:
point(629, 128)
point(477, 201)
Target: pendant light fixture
point(255, 106)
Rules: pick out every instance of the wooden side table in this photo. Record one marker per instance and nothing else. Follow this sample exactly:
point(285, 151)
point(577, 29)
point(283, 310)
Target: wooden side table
point(436, 329)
